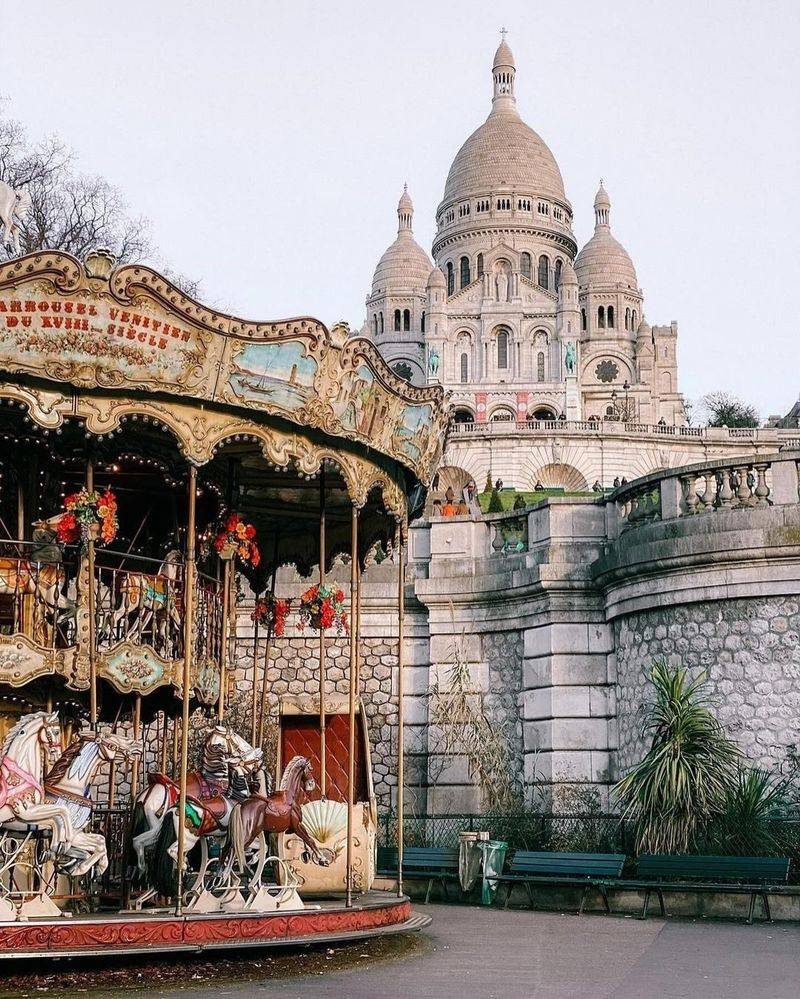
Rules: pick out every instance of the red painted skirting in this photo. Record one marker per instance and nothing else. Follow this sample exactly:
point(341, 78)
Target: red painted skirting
point(121, 933)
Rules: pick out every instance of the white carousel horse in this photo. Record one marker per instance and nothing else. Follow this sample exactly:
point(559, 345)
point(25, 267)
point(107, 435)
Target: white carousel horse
point(68, 784)
point(227, 763)
point(22, 798)
point(149, 595)
point(13, 206)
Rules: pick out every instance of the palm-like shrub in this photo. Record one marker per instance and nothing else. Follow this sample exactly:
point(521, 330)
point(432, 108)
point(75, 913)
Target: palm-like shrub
point(681, 781)
point(749, 820)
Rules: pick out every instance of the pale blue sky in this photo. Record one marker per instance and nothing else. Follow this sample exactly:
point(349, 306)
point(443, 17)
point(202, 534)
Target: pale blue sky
point(268, 143)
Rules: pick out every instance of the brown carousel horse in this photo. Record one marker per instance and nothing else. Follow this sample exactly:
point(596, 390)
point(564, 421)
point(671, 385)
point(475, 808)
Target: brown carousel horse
point(251, 820)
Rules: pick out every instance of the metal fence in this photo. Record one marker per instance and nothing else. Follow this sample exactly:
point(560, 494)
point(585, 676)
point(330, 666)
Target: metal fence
point(593, 833)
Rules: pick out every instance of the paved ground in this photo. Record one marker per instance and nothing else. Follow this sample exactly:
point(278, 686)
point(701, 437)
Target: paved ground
point(472, 952)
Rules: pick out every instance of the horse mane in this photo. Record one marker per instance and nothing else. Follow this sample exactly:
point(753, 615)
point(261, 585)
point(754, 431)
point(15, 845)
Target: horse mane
point(14, 732)
point(63, 763)
point(296, 763)
point(214, 764)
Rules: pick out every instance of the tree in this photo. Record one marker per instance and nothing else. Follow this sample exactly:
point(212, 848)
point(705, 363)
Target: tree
point(683, 779)
point(727, 410)
point(71, 211)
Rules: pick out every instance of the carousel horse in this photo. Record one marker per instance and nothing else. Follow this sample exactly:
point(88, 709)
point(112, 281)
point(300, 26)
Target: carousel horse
point(43, 577)
point(253, 819)
point(67, 784)
point(227, 763)
point(149, 596)
point(23, 804)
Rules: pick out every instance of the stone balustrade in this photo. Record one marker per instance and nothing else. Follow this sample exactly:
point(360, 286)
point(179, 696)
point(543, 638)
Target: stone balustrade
point(759, 435)
point(734, 483)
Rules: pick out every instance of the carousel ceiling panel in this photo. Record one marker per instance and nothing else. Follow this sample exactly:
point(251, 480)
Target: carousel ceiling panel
point(93, 325)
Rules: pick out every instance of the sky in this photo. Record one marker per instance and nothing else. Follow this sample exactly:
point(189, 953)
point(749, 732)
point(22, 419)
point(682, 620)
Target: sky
point(268, 144)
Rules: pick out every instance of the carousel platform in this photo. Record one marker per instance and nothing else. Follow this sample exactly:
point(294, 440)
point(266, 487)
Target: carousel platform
point(118, 933)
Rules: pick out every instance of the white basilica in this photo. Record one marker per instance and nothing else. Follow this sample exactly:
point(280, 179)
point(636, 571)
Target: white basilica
point(512, 319)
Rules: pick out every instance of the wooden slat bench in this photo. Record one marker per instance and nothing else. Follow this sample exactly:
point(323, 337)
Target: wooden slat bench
point(436, 864)
point(587, 870)
point(753, 876)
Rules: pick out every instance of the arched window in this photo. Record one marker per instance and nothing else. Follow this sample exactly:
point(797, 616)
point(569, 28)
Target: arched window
point(375, 323)
point(525, 264)
point(422, 322)
point(464, 268)
point(502, 349)
point(397, 320)
point(464, 368)
point(451, 280)
point(403, 370)
point(406, 320)
point(380, 317)
point(544, 272)
point(540, 366)
point(557, 274)
point(479, 265)
point(611, 317)
point(601, 317)
point(463, 416)
point(583, 319)
point(627, 319)
point(633, 320)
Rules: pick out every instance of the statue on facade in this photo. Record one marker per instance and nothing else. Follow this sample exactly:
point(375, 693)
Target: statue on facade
point(433, 362)
point(502, 286)
point(570, 358)
point(14, 206)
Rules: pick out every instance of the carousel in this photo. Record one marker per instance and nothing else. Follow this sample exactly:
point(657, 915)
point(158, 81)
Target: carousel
point(159, 462)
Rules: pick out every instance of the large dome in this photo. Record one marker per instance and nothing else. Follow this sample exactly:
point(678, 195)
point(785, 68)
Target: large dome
point(405, 265)
point(504, 151)
point(604, 261)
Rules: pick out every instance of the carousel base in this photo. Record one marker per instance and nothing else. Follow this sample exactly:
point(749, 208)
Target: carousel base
point(119, 933)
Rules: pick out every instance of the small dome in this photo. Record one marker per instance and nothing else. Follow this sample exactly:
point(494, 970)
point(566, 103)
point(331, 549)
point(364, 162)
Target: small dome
point(503, 57)
point(405, 266)
point(568, 275)
point(604, 261)
point(601, 199)
point(644, 328)
point(436, 279)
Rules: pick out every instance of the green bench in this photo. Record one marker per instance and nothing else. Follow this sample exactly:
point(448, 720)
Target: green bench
point(753, 876)
point(586, 870)
point(435, 863)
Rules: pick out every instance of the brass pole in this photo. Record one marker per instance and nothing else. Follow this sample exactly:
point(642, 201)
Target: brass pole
point(92, 620)
point(163, 760)
point(188, 649)
point(20, 509)
point(400, 705)
point(175, 745)
point(112, 783)
point(137, 732)
point(264, 679)
point(226, 627)
point(351, 747)
point(322, 750)
point(254, 708)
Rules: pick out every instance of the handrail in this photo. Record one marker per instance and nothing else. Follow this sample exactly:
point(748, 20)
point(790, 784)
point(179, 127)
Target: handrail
point(772, 435)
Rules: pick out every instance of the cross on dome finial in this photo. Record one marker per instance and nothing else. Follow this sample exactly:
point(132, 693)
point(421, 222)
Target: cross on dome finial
point(503, 33)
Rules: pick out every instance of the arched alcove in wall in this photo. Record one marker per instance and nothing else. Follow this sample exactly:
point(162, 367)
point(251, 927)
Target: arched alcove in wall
point(560, 476)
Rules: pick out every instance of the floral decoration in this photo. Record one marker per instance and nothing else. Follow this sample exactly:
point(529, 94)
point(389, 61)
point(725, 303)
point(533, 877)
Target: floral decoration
point(236, 537)
point(272, 612)
point(322, 606)
point(88, 516)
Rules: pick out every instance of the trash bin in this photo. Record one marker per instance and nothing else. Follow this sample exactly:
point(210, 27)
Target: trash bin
point(479, 857)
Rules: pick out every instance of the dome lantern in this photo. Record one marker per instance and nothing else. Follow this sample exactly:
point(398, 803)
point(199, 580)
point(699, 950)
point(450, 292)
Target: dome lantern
point(503, 73)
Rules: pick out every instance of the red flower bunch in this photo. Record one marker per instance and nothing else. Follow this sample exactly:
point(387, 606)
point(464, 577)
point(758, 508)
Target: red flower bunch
point(322, 606)
point(272, 612)
point(88, 515)
point(237, 538)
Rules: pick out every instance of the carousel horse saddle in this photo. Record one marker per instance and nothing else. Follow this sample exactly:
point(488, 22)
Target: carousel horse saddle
point(197, 787)
point(208, 815)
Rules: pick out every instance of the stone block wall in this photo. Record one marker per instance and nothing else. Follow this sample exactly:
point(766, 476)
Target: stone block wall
point(750, 649)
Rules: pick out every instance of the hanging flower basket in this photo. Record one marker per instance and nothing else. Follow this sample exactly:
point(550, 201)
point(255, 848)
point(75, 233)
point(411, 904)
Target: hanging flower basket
point(236, 539)
point(322, 606)
point(88, 516)
point(272, 612)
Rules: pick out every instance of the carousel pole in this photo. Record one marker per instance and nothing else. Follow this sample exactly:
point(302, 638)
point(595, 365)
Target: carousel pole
point(400, 705)
point(323, 782)
point(137, 733)
point(188, 648)
point(254, 707)
point(163, 760)
point(92, 619)
point(351, 748)
point(262, 713)
point(175, 745)
point(226, 627)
